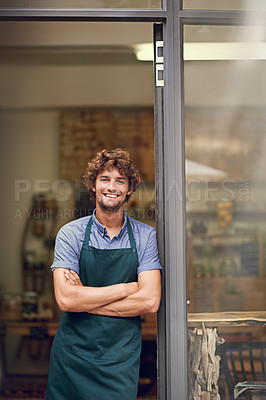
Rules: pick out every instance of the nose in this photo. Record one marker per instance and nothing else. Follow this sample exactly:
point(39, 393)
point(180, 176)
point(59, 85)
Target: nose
point(112, 185)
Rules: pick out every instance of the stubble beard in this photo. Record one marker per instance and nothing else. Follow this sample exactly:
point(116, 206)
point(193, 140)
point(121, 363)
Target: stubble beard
point(114, 208)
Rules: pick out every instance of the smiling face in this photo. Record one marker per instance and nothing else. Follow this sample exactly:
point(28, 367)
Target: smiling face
point(111, 189)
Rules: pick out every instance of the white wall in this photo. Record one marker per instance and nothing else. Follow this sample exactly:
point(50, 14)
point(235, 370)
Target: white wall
point(51, 86)
point(28, 152)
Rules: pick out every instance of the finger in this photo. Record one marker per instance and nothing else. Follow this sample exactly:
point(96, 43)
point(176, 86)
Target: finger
point(73, 280)
point(74, 274)
point(75, 277)
point(66, 275)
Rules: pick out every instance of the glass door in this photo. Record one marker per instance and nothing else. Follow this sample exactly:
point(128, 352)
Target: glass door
point(225, 164)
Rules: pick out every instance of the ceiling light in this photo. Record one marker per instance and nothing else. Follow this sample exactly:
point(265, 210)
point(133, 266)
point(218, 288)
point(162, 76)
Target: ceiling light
point(207, 51)
point(144, 51)
point(225, 51)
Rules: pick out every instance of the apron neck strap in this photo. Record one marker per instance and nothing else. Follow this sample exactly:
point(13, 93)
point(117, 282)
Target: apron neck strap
point(130, 234)
point(129, 229)
point(88, 232)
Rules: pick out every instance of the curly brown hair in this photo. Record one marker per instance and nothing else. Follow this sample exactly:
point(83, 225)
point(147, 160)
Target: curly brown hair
point(109, 159)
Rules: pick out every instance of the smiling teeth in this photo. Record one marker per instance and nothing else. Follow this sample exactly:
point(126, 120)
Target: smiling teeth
point(113, 196)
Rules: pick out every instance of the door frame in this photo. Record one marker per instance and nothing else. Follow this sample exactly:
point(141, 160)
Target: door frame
point(170, 165)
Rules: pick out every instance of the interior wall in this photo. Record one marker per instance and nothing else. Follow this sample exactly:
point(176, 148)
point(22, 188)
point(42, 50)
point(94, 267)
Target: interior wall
point(38, 87)
point(29, 157)
point(21, 33)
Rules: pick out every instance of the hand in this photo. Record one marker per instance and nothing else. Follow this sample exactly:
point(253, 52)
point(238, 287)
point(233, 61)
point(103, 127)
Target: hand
point(72, 277)
point(132, 287)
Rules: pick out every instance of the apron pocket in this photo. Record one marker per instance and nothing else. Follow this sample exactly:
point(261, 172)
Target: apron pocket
point(120, 338)
point(101, 337)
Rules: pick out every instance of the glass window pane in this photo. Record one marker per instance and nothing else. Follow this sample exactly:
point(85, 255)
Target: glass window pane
point(225, 4)
point(225, 148)
point(225, 167)
point(133, 4)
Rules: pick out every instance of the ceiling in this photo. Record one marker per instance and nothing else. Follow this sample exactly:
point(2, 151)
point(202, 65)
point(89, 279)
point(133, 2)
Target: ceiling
point(30, 50)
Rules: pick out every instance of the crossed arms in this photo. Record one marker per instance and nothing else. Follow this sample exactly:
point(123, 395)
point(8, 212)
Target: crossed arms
point(123, 299)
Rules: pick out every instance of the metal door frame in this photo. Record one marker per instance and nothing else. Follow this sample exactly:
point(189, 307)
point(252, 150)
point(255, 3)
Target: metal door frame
point(170, 164)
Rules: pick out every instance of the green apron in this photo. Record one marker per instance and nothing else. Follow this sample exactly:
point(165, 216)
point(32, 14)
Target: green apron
point(97, 357)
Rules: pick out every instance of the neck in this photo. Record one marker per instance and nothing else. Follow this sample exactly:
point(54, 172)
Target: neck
point(112, 220)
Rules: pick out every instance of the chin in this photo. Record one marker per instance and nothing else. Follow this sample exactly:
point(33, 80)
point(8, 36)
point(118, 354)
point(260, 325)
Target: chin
point(113, 208)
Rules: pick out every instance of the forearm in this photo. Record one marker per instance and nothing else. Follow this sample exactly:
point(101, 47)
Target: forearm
point(136, 304)
point(84, 298)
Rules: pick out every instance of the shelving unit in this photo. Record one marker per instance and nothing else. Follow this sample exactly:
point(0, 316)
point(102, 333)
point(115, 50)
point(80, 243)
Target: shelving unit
point(36, 255)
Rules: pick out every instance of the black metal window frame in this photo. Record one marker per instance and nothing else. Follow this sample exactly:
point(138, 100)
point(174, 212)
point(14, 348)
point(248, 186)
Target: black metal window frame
point(170, 165)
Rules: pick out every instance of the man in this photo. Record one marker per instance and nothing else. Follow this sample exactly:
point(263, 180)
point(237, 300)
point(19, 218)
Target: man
point(106, 274)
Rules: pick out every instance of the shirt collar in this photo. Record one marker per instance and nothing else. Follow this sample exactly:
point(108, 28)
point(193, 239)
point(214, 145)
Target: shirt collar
point(102, 229)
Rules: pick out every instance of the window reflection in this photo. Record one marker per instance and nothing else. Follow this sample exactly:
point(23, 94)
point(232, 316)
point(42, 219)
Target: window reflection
point(225, 173)
point(225, 192)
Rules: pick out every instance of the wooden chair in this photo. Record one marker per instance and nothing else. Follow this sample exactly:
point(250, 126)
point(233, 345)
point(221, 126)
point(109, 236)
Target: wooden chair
point(244, 361)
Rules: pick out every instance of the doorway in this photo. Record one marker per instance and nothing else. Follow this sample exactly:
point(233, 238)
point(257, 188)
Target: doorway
point(68, 90)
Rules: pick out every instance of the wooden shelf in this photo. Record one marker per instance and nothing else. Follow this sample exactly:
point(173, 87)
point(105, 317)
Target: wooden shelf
point(222, 319)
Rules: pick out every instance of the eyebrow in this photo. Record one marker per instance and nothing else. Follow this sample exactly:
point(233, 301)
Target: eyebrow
point(119, 177)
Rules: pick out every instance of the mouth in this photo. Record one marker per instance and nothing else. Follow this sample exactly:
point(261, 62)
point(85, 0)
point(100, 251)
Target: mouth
point(111, 196)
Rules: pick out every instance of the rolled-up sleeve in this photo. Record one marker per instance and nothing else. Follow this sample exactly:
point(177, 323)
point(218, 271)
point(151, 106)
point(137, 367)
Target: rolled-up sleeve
point(66, 253)
point(150, 258)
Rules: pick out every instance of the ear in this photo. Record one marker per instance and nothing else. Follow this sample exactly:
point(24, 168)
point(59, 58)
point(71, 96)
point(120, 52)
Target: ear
point(93, 188)
point(129, 192)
